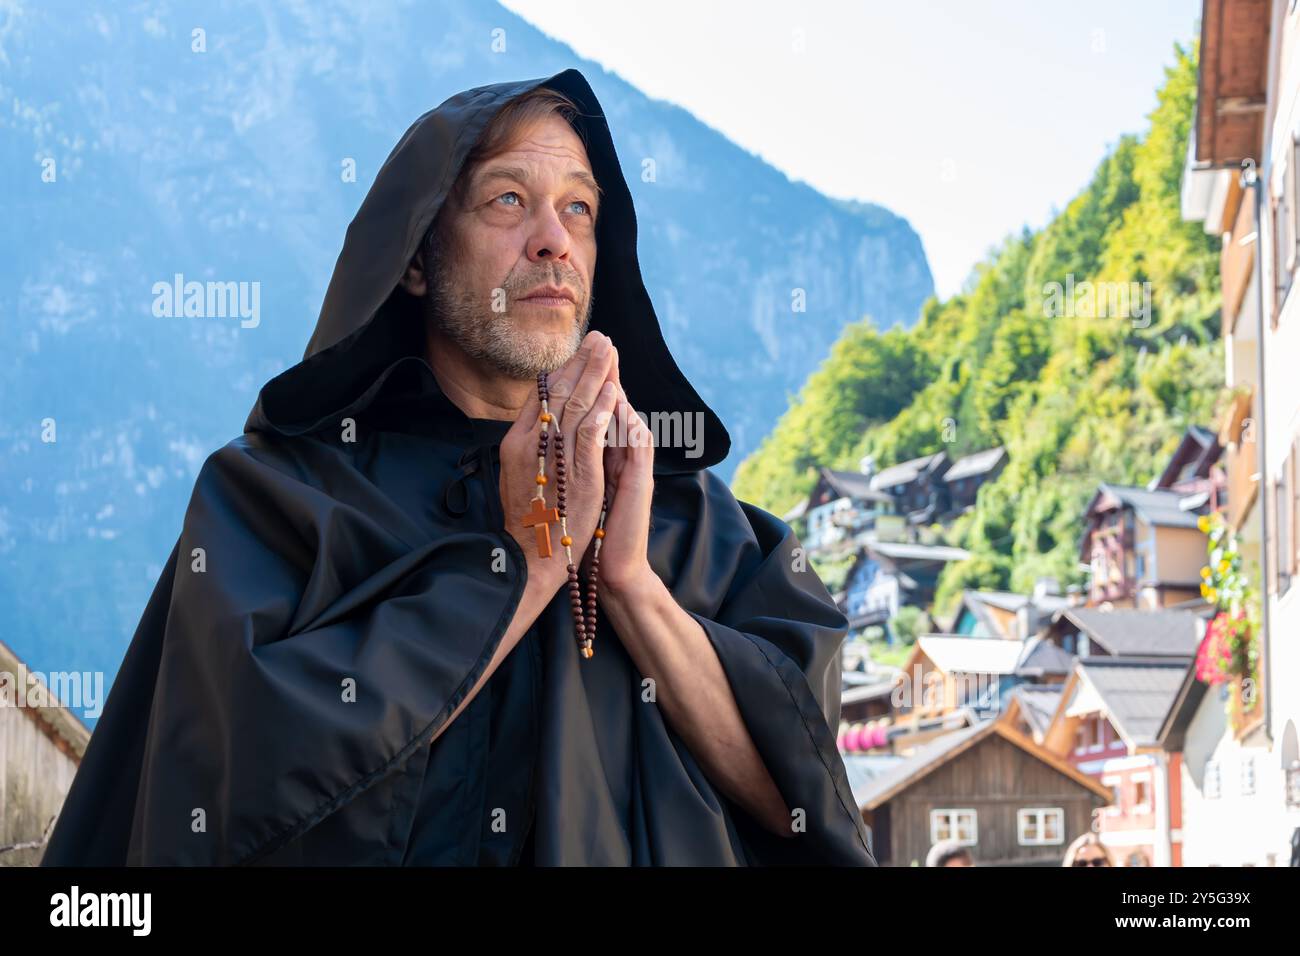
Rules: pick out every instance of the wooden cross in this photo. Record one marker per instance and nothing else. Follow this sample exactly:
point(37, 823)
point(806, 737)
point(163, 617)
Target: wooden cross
point(540, 518)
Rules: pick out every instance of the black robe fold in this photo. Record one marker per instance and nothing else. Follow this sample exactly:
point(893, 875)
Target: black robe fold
point(343, 577)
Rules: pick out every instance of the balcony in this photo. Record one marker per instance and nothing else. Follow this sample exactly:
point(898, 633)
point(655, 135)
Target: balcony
point(1237, 260)
point(1242, 466)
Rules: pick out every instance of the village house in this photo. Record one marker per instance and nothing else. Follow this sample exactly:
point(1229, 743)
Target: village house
point(1106, 725)
point(1012, 801)
point(1228, 811)
point(1143, 546)
point(845, 507)
point(888, 575)
point(41, 747)
point(1010, 616)
point(1120, 632)
point(1241, 181)
point(842, 504)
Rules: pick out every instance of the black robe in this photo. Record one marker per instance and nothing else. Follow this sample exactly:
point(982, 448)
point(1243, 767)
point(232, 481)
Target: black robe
point(343, 577)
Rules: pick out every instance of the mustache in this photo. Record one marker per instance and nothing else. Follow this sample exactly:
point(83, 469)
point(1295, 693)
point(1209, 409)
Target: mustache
point(573, 283)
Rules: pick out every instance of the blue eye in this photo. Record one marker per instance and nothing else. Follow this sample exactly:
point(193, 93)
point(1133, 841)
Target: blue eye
point(581, 202)
point(504, 195)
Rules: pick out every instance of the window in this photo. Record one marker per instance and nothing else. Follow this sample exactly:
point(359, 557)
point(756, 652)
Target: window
point(1293, 474)
point(1083, 736)
point(1282, 522)
point(1213, 780)
point(1284, 238)
point(1247, 776)
point(959, 825)
point(1142, 793)
point(1116, 795)
point(1041, 826)
point(1098, 734)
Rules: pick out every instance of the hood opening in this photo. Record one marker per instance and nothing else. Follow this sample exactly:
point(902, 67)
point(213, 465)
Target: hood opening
point(368, 323)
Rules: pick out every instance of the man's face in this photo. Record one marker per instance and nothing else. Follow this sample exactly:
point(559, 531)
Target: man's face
point(527, 220)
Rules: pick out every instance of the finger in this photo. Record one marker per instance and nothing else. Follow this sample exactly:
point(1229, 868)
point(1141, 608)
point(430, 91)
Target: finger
point(615, 451)
point(638, 470)
point(583, 397)
point(564, 380)
point(589, 448)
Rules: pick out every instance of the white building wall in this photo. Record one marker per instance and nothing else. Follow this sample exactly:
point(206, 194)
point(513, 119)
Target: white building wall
point(1281, 410)
point(1234, 828)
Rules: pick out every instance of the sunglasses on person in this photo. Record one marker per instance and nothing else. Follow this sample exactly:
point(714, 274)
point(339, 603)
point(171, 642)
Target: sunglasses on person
point(1095, 861)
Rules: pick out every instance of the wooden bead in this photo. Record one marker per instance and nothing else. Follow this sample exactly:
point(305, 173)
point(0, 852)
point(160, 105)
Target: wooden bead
point(584, 624)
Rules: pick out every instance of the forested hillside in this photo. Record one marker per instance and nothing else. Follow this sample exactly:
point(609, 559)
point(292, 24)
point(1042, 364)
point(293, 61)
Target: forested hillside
point(1033, 355)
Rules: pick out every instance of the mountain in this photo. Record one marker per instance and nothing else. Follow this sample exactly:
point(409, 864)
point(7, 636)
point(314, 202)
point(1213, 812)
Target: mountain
point(1086, 348)
point(141, 141)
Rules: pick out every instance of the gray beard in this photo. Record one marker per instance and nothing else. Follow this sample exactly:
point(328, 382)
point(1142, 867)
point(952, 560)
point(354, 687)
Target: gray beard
point(497, 339)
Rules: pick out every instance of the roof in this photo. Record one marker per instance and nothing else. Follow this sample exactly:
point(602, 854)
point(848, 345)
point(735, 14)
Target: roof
point(1232, 82)
point(979, 602)
point(920, 552)
point(1199, 447)
point(907, 472)
point(934, 754)
point(53, 714)
point(853, 484)
point(977, 463)
point(1137, 692)
point(1007, 600)
point(1043, 658)
point(863, 769)
point(878, 688)
point(971, 655)
point(1038, 703)
point(1158, 506)
point(1040, 607)
point(1173, 729)
point(1127, 631)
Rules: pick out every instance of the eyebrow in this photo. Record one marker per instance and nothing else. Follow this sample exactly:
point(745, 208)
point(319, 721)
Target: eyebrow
point(519, 174)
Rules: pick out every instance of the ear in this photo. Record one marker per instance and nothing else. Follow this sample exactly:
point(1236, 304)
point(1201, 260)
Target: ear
point(414, 281)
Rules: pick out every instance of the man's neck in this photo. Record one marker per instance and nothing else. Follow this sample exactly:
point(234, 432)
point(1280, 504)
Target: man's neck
point(477, 390)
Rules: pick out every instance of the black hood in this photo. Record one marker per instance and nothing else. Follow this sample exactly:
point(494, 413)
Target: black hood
point(368, 323)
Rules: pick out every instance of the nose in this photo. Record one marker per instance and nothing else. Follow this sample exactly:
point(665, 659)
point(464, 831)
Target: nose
point(548, 238)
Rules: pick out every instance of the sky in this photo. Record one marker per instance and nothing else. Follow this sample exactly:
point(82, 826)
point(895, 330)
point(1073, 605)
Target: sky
point(969, 119)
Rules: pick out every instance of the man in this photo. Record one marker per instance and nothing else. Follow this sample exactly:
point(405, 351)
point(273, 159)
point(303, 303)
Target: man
point(358, 654)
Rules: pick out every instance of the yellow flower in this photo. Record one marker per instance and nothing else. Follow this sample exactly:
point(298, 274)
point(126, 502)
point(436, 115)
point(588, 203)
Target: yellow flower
point(1225, 566)
point(1212, 596)
point(1203, 522)
point(1205, 572)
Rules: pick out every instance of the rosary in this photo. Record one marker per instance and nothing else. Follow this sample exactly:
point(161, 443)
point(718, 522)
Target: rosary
point(541, 517)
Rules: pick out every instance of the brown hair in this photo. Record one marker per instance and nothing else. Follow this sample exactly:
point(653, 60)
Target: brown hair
point(506, 128)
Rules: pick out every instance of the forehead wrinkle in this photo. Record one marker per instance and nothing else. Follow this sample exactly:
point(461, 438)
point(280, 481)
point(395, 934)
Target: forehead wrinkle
point(522, 174)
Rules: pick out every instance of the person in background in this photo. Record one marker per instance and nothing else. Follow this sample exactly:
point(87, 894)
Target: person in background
point(949, 853)
point(1088, 850)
